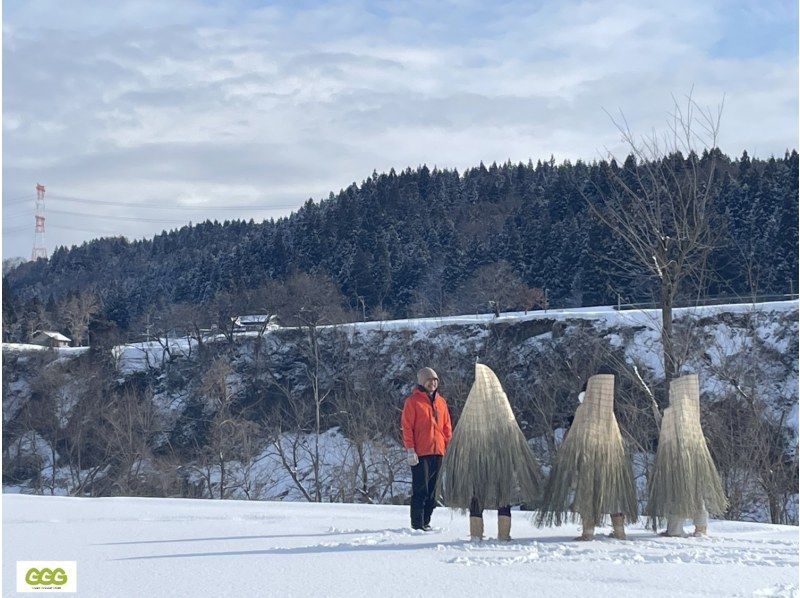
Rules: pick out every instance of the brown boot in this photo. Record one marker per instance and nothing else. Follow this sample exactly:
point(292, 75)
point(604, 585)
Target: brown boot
point(674, 527)
point(476, 529)
point(618, 525)
point(504, 528)
point(700, 521)
point(587, 527)
point(700, 530)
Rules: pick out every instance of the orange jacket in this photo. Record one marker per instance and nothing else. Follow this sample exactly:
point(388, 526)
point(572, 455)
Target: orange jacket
point(426, 426)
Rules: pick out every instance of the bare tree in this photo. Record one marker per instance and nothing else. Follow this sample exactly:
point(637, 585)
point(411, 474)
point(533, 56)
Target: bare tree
point(193, 320)
point(25, 457)
point(748, 427)
point(250, 481)
point(735, 447)
point(48, 412)
point(83, 399)
point(78, 311)
point(431, 298)
point(288, 426)
point(228, 433)
point(265, 301)
point(559, 369)
point(36, 318)
point(367, 418)
point(316, 302)
point(659, 204)
point(129, 423)
point(225, 307)
point(289, 438)
point(497, 286)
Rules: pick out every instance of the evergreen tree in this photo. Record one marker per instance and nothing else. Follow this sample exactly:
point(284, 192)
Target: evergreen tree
point(396, 237)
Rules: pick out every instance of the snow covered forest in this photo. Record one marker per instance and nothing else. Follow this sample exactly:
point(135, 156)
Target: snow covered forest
point(311, 412)
point(422, 242)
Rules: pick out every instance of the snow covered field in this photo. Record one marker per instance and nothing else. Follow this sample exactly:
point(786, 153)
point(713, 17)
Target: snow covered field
point(179, 547)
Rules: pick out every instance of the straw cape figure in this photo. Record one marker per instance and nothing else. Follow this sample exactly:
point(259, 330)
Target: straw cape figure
point(591, 474)
point(685, 482)
point(488, 462)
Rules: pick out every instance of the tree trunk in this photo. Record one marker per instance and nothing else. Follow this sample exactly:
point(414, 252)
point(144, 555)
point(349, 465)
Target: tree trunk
point(363, 468)
point(666, 338)
point(221, 476)
point(53, 467)
point(291, 470)
point(317, 486)
point(317, 405)
point(774, 508)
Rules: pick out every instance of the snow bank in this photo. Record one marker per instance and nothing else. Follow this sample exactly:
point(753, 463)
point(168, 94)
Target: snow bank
point(611, 316)
point(61, 351)
point(140, 356)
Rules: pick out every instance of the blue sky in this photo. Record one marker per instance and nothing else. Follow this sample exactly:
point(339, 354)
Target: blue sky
point(158, 113)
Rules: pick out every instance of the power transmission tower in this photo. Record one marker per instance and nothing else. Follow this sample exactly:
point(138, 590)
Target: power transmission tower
point(39, 249)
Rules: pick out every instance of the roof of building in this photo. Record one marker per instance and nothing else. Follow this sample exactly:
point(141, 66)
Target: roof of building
point(255, 319)
point(54, 335)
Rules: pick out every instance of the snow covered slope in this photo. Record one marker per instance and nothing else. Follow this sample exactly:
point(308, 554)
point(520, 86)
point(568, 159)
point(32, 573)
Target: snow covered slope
point(138, 356)
point(179, 547)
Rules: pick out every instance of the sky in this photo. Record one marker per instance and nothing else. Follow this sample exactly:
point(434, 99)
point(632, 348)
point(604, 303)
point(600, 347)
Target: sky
point(140, 116)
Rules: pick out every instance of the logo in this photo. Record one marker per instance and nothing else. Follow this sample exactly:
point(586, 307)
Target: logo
point(47, 576)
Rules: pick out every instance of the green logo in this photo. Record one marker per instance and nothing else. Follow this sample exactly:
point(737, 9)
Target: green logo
point(46, 577)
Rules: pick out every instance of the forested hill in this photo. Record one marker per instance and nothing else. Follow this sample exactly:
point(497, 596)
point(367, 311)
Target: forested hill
point(421, 242)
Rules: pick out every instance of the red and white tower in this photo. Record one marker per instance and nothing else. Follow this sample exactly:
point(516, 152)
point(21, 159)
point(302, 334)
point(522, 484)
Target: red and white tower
point(39, 250)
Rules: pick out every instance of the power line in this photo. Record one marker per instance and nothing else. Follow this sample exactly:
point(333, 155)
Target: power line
point(107, 217)
point(26, 212)
point(194, 209)
point(199, 207)
point(19, 200)
point(16, 215)
point(16, 230)
point(85, 230)
point(20, 229)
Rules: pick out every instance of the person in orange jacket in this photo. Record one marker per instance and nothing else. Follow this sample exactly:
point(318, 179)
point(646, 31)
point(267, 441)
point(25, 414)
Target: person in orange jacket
point(426, 433)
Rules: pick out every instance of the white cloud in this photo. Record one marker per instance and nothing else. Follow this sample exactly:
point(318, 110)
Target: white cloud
point(152, 101)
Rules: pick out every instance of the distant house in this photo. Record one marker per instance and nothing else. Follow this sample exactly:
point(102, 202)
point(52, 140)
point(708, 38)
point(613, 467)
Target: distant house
point(46, 338)
point(255, 322)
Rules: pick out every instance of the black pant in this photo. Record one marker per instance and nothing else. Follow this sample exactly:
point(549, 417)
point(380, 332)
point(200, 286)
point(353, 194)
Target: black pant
point(423, 489)
point(476, 509)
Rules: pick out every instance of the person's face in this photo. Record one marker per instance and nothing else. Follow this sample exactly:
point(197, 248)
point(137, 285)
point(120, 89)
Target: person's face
point(431, 384)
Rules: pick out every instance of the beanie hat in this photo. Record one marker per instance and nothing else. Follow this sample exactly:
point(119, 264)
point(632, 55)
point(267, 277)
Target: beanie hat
point(424, 375)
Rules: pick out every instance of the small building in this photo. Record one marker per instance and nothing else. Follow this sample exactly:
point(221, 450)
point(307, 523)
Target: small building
point(255, 322)
point(45, 338)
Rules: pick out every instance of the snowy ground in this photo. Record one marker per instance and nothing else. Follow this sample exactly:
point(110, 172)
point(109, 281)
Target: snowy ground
point(62, 351)
point(178, 547)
